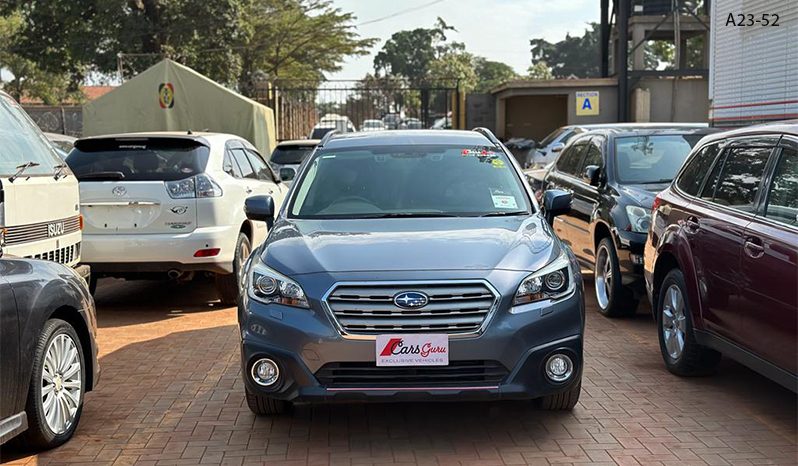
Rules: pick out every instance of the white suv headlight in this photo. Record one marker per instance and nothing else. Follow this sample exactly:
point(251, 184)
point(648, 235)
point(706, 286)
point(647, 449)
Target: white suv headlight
point(551, 282)
point(639, 218)
point(271, 287)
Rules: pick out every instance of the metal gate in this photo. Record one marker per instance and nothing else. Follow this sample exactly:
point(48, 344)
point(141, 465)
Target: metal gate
point(301, 106)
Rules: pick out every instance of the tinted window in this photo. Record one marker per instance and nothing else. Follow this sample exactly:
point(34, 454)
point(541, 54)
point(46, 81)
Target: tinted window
point(712, 182)
point(568, 162)
point(290, 155)
point(373, 181)
point(651, 159)
point(143, 159)
point(243, 164)
point(593, 156)
point(552, 136)
point(22, 142)
point(739, 180)
point(783, 197)
point(697, 168)
point(263, 172)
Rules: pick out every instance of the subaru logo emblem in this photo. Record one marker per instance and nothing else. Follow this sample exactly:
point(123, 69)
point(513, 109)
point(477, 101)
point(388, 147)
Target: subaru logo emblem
point(119, 191)
point(410, 299)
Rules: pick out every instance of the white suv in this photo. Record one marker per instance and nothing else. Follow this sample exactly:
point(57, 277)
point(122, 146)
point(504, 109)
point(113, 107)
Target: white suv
point(171, 204)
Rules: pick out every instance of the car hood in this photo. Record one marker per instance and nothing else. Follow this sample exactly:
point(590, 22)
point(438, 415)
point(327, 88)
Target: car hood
point(643, 194)
point(310, 246)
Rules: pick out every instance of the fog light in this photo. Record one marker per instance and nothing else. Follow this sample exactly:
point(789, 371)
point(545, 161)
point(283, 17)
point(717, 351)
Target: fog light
point(265, 372)
point(559, 368)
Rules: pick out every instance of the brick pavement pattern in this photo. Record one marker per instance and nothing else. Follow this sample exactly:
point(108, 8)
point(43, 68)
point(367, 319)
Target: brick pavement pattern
point(171, 394)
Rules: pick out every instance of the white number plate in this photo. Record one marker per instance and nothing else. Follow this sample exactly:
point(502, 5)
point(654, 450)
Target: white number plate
point(413, 350)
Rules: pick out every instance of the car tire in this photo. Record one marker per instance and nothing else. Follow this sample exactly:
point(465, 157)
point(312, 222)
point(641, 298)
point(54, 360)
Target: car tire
point(266, 406)
point(675, 325)
point(613, 298)
point(562, 401)
point(57, 338)
point(227, 285)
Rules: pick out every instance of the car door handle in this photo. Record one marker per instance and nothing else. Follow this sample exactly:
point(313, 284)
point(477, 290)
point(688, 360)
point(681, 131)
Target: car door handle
point(753, 250)
point(248, 190)
point(692, 224)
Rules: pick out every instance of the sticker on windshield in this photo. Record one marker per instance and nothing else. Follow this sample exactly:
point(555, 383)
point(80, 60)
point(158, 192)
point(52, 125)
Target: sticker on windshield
point(481, 153)
point(498, 163)
point(503, 200)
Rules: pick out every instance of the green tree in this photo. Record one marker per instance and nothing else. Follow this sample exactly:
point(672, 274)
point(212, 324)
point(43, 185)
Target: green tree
point(298, 39)
point(410, 53)
point(539, 70)
point(491, 74)
point(572, 56)
point(78, 37)
point(27, 79)
point(459, 67)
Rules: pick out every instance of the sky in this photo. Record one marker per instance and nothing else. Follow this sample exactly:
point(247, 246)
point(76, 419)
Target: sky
point(496, 29)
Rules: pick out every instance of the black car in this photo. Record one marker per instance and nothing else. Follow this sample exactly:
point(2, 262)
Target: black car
point(48, 353)
point(614, 175)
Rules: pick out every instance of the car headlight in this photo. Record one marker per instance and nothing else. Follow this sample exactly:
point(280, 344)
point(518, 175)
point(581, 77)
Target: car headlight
point(271, 287)
point(639, 218)
point(551, 282)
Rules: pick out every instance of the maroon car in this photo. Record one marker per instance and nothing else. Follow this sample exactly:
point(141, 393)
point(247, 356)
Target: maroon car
point(721, 259)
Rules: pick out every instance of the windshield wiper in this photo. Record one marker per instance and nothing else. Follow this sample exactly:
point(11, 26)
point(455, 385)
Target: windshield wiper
point(505, 214)
point(21, 169)
point(59, 170)
point(407, 215)
point(102, 176)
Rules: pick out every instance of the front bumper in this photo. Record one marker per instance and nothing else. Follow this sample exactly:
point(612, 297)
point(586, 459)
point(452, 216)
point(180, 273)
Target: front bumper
point(303, 342)
point(108, 254)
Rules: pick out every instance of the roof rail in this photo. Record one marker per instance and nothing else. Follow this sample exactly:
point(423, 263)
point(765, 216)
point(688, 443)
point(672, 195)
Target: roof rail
point(326, 138)
point(488, 134)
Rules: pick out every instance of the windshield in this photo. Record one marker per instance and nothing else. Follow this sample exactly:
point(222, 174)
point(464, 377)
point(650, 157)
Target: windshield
point(424, 180)
point(151, 159)
point(290, 155)
point(552, 136)
point(22, 142)
point(651, 159)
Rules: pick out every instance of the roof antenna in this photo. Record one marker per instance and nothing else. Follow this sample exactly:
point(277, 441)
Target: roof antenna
point(190, 133)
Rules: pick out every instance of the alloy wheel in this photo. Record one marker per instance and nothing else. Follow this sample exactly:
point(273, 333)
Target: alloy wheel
point(674, 321)
point(603, 278)
point(61, 383)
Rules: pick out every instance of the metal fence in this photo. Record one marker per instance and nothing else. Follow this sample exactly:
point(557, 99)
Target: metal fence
point(300, 104)
point(63, 119)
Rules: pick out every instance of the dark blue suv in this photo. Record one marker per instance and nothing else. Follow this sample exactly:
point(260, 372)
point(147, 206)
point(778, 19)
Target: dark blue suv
point(410, 265)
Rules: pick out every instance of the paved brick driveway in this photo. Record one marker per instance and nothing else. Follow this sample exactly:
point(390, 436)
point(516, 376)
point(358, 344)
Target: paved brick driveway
point(171, 394)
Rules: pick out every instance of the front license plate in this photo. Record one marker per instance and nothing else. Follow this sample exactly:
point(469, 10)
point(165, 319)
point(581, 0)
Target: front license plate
point(413, 350)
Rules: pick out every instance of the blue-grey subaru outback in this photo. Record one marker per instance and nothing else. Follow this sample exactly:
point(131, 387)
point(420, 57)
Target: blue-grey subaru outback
point(410, 265)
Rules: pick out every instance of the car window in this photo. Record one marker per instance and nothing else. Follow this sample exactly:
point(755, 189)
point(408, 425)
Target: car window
point(22, 142)
point(568, 162)
point(285, 155)
point(261, 169)
point(243, 164)
point(782, 203)
point(651, 159)
point(229, 166)
point(593, 155)
point(696, 169)
point(447, 180)
point(568, 136)
point(140, 159)
point(552, 136)
point(712, 180)
point(740, 177)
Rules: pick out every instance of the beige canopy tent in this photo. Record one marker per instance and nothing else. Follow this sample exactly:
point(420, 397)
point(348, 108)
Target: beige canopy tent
point(172, 97)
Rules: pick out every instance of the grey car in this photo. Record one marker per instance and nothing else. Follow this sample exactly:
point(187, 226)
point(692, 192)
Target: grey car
point(48, 353)
point(408, 265)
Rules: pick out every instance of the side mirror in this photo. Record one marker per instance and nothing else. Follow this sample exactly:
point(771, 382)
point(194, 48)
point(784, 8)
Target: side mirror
point(260, 208)
point(557, 147)
point(591, 175)
point(556, 202)
point(287, 173)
